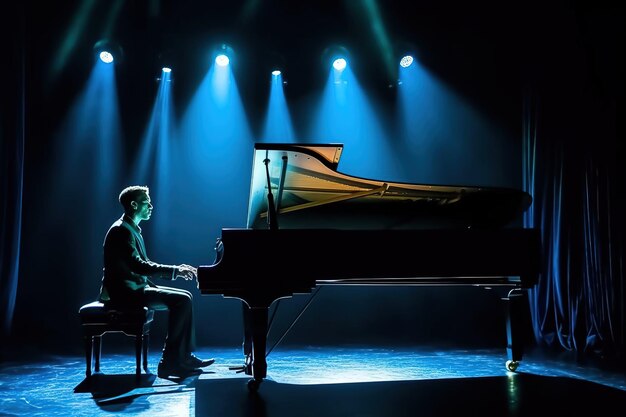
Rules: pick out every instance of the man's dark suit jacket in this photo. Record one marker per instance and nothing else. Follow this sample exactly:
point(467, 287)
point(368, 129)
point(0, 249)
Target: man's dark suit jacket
point(126, 264)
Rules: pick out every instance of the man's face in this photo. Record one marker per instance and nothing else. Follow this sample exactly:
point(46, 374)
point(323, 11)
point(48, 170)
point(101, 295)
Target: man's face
point(144, 207)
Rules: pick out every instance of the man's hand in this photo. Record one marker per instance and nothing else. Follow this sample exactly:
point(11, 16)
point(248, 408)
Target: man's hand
point(186, 272)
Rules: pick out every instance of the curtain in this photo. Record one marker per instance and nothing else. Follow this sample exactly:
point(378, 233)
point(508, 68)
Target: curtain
point(571, 172)
point(11, 198)
point(12, 137)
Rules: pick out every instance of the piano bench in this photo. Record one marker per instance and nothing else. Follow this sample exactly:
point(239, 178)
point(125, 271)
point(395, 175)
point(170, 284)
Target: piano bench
point(98, 318)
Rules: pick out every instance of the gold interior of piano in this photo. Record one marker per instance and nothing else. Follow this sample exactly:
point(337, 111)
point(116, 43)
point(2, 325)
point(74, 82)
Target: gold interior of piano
point(306, 177)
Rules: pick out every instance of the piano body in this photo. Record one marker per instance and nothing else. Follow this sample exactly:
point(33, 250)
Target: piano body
point(309, 224)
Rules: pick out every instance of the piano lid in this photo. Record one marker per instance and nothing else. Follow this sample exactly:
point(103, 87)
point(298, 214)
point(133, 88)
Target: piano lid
point(309, 192)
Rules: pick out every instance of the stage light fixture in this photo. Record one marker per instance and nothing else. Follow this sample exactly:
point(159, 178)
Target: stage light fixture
point(336, 56)
point(339, 64)
point(278, 76)
point(406, 61)
point(108, 51)
point(224, 55)
point(406, 53)
point(165, 75)
point(106, 57)
point(274, 62)
point(222, 60)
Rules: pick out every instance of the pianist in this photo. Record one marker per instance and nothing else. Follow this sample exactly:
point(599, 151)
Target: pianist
point(125, 282)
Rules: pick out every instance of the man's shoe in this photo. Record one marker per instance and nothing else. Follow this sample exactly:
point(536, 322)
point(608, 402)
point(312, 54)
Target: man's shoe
point(193, 361)
point(168, 370)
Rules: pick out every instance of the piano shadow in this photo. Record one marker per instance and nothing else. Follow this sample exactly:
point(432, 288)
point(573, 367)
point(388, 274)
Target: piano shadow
point(516, 394)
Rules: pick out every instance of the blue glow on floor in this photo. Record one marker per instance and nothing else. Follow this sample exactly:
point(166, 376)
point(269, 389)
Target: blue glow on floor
point(47, 386)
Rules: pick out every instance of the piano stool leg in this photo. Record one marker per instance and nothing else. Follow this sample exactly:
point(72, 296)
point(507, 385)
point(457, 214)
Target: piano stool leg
point(514, 328)
point(146, 342)
point(88, 340)
point(258, 319)
point(138, 351)
point(97, 351)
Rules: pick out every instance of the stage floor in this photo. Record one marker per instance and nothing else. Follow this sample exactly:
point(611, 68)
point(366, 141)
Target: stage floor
point(315, 381)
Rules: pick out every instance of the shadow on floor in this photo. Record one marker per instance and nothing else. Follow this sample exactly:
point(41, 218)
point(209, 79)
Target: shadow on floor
point(515, 395)
point(121, 390)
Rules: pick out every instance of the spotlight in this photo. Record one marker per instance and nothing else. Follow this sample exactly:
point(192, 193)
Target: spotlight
point(166, 75)
point(406, 61)
point(108, 51)
point(275, 63)
point(337, 56)
point(278, 77)
point(166, 58)
point(406, 53)
point(339, 64)
point(222, 60)
point(224, 55)
point(106, 57)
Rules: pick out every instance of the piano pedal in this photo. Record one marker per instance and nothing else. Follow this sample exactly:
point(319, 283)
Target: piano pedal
point(246, 367)
point(239, 369)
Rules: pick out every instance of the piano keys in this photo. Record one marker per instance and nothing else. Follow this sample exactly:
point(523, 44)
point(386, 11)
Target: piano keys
point(323, 227)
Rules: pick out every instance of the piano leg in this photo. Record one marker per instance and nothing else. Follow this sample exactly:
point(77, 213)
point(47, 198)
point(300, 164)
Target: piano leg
point(514, 328)
point(247, 339)
point(257, 317)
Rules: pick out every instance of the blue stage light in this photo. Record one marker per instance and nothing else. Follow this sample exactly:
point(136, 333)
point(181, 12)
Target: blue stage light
point(106, 57)
point(222, 60)
point(406, 61)
point(339, 64)
point(108, 51)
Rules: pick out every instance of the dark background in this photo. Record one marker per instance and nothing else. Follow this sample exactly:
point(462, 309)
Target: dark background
point(489, 54)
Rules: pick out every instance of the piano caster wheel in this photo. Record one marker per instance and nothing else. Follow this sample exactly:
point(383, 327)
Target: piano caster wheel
point(512, 365)
point(254, 384)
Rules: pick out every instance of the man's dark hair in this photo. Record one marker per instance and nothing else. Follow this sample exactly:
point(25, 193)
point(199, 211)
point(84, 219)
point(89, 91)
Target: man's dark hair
point(132, 193)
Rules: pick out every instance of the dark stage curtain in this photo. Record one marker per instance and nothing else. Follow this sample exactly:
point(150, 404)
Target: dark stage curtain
point(571, 169)
point(12, 136)
point(11, 198)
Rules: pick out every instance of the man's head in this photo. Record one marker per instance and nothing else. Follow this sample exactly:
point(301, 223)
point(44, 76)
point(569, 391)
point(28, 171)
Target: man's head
point(136, 202)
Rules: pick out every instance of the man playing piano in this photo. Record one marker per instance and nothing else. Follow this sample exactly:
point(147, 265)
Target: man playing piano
point(125, 282)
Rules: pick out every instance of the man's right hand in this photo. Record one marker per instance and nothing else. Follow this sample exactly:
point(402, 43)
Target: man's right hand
point(186, 272)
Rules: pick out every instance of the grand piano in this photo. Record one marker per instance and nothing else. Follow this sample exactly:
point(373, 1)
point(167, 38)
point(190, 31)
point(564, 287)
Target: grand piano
point(310, 225)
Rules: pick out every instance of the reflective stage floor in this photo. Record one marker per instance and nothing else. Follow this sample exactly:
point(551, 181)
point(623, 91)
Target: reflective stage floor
point(320, 382)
